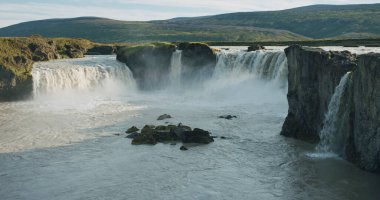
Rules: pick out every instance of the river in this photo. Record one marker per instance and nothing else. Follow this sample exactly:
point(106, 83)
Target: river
point(65, 143)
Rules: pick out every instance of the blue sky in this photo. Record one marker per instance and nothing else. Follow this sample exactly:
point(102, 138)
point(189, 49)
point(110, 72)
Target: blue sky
point(16, 11)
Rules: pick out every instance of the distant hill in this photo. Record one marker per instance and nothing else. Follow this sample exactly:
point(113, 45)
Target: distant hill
point(317, 21)
point(108, 30)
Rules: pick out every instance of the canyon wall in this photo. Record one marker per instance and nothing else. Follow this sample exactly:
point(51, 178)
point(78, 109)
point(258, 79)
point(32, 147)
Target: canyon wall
point(313, 76)
point(151, 63)
point(366, 118)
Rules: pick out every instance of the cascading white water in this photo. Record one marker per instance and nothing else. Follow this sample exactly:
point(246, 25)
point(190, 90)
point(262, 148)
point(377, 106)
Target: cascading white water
point(328, 135)
point(264, 65)
point(80, 75)
point(176, 68)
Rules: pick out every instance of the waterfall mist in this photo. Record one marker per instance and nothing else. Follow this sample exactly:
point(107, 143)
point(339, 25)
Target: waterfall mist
point(81, 79)
point(237, 76)
point(77, 88)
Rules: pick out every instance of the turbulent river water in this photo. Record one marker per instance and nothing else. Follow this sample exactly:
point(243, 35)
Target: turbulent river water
point(62, 144)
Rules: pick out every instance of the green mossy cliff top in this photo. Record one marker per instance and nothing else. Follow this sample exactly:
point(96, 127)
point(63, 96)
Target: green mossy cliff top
point(147, 48)
point(18, 54)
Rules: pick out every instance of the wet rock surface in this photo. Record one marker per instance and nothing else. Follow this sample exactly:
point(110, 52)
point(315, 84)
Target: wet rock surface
point(256, 48)
point(164, 116)
point(197, 136)
point(313, 77)
point(101, 50)
point(198, 61)
point(229, 117)
point(183, 148)
point(132, 129)
point(365, 138)
point(152, 135)
point(149, 63)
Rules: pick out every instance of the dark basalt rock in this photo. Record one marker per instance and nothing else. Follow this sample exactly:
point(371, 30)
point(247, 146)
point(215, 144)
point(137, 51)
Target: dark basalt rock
point(256, 48)
point(132, 129)
point(164, 116)
point(197, 136)
point(144, 139)
point(229, 117)
point(365, 138)
point(132, 135)
point(183, 148)
point(14, 88)
point(180, 129)
point(198, 61)
point(313, 76)
point(170, 133)
point(101, 50)
point(149, 63)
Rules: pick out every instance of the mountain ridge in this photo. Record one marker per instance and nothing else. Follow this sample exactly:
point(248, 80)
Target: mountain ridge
point(302, 23)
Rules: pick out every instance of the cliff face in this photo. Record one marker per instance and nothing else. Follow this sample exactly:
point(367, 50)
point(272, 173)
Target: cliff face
point(18, 54)
point(198, 61)
point(150, 63)
point(313, 76)
point(366, 98)
point(14, 87)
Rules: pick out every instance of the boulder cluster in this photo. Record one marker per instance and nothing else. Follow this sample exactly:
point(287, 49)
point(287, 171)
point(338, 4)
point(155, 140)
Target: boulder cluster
point(151, 134)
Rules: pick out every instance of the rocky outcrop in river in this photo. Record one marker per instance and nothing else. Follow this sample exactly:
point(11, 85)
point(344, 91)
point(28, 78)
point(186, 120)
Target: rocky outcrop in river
point(198, 61)
point(153, 134)
point(149, 63)
point(313, 76)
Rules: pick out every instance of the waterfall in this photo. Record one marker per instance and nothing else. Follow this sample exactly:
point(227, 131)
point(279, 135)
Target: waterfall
point(330, 141)
point(79, 74)
point(175, 68)
point(264, 65)
point(94, 72)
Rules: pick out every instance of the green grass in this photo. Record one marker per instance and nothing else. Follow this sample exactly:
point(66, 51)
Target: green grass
point(128, 51)
point(319, 21)
point(113, 31)
point(320, 42)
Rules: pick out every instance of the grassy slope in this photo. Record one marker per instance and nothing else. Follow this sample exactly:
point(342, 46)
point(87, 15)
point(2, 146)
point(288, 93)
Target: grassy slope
point(318, 21)
point(107, 30)
point(320, 42)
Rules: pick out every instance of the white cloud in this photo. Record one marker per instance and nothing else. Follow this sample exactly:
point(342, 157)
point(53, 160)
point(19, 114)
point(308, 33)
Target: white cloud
point(11, 13)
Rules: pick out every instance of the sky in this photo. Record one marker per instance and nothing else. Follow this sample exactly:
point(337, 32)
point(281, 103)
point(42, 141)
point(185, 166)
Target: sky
point(16, 11)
